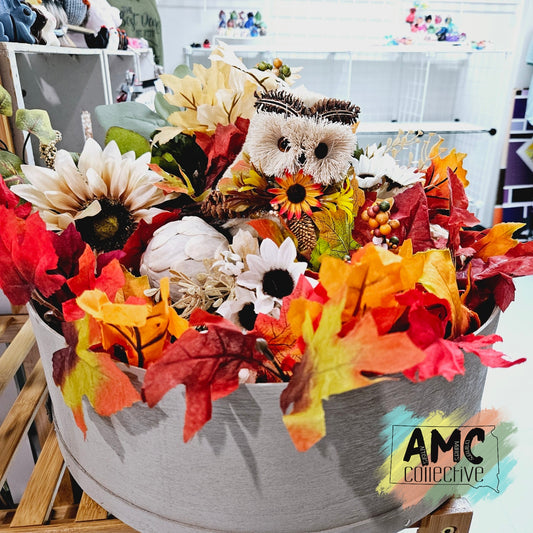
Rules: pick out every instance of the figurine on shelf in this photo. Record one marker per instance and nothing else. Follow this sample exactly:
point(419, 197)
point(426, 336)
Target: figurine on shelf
point(241, 20)
point(232, 22)
point(249, 24)
point(411, 17)
point(16, 19)
point(260, 24)
point(206, 44)
point(222, 19)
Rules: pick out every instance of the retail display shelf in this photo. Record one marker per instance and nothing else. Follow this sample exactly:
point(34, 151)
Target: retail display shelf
point(440, 127)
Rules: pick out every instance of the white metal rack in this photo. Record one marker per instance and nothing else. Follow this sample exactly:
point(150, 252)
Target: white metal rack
point(455, 91)
point(66, 81)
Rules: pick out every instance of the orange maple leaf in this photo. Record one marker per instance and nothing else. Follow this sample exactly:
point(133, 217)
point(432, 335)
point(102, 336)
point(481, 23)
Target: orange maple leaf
point(497, 241)
point(332, 365)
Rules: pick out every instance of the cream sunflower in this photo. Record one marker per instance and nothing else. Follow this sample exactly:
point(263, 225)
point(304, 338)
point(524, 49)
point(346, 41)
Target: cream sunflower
point(105, 195)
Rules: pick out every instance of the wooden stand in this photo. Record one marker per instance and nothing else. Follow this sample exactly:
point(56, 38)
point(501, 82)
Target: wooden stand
point(48, 504)
point(455, 516)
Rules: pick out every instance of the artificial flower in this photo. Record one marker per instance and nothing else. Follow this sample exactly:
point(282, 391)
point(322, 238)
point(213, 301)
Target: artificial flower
point(241, 309)
point(105, 195)
point(273, 273)
point(297, 194)
point(370, 170)
point(181, 246)
point(211, 96)
point(342, 198)
point(397, 178)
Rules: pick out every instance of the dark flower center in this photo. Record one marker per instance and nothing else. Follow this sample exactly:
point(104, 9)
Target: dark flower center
point(109, 229)
point(296, 193)
point(247, 316)
point(278, 283)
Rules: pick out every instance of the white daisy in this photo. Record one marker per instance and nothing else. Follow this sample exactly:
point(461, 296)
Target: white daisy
point(241, 310)
point(105, 195)
point(370, 171)
point(399, 178)
point(273, 274)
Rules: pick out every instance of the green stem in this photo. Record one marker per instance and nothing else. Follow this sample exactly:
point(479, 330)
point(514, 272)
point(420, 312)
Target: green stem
point(26, 140)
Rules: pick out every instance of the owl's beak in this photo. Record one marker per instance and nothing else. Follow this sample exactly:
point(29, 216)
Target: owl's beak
point(301, 159)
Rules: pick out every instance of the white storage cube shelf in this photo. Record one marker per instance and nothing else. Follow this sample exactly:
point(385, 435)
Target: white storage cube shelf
point(65, 82)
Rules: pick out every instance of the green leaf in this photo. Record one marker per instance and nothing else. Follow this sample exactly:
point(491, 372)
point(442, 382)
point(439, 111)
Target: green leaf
point(128, 140)
point(321, 248)
point(5, 103)
point(163, 107)
point(9, 164)
point(37, 122)
point(132, 116)
point(181, 71)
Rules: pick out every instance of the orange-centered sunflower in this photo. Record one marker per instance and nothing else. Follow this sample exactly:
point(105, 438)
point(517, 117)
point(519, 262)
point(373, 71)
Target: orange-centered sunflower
point(297, 193)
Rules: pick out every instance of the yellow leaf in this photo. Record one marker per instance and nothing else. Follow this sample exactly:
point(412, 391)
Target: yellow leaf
point(498, 241)
point(439, 278)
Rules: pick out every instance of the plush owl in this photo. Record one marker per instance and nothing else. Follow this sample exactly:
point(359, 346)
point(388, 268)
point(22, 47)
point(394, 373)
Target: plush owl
point(288, 134)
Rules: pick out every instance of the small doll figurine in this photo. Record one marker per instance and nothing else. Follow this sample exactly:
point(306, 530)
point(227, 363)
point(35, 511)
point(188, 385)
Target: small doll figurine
point(241, 20)
point(411, 17)
point(222, 19)
point(417, 26)
point(249, 24)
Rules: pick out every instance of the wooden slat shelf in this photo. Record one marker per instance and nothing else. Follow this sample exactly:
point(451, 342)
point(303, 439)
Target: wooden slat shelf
point(41, 508)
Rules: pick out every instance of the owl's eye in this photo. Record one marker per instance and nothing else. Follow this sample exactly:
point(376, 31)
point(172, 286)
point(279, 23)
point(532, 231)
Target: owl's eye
point(284, 144)
point(321, 151)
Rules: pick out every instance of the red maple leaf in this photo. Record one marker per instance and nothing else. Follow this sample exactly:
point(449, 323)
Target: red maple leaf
point(222, 147)
point(10, 200)
point(27, 257)
point(207, 363)
point(459, 216)
point(69, 247)
point(411, 210)
point(111, 279)
point(444, 357)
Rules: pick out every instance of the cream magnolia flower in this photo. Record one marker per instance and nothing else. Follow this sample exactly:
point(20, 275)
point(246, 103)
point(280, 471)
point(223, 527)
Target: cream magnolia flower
point(181, 246)
point(105, 195)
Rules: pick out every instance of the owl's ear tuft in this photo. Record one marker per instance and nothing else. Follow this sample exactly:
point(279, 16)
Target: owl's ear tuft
point(335, 110)
point(281, 102)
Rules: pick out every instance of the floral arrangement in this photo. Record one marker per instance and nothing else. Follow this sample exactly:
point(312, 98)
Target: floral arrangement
point(253, 241)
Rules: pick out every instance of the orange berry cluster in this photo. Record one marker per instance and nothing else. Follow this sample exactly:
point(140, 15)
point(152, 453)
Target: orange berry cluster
point(378, 218)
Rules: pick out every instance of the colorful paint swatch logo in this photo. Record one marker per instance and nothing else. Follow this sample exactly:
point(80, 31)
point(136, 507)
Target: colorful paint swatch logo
point(442, 455)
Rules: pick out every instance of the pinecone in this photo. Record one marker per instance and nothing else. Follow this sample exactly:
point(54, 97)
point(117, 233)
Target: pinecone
point(305, 231)
point(215, 207)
